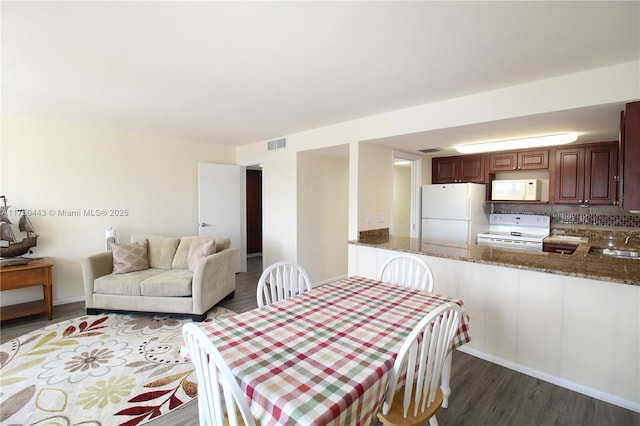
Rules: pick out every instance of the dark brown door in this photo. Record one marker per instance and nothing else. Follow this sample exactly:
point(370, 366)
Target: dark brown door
point(254, 211)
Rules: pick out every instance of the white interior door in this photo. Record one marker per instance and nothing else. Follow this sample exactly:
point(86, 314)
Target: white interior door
point(221, 205)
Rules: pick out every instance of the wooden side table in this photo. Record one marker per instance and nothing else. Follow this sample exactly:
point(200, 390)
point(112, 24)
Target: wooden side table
point(36, 272)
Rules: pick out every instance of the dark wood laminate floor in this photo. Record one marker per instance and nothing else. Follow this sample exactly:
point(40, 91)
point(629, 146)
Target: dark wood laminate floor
point(483, 393)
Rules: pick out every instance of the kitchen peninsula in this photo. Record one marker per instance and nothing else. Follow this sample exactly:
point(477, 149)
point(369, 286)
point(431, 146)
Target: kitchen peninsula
point(580, 264)
point(571, 320)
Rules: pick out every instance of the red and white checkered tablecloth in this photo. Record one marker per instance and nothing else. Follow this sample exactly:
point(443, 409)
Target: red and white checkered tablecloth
point(323, 357)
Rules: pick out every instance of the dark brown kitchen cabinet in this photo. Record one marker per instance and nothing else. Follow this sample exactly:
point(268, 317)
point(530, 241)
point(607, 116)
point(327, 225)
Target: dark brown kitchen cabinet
point(569, 175)
point(560, 248)
point(462, 168)
point(630, 157)
point(523, 160)
point(587, 174)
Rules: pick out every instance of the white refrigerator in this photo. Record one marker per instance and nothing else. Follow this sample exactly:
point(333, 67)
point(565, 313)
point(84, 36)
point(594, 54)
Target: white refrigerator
point(454, 212)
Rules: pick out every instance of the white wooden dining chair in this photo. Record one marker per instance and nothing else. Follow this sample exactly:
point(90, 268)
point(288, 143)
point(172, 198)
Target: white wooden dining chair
point(421, 357)
point(408, 271)
point(281, 281)
point(220, 399)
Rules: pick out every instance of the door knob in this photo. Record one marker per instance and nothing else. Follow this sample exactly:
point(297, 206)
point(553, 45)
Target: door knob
point(202, 225)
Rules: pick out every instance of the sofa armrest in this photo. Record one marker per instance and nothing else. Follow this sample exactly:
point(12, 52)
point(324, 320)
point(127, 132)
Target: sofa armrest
point(213, 279)
point(94, 267)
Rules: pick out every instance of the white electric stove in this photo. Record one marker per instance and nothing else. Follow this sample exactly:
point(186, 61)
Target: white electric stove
point(516, 231)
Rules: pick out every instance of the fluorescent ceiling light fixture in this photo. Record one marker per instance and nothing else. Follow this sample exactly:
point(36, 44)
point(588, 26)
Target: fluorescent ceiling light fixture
point(506, 145)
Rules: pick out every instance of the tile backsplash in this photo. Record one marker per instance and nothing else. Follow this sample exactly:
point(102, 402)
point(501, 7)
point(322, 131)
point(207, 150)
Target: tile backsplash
point(565, 215)
point(594, 219)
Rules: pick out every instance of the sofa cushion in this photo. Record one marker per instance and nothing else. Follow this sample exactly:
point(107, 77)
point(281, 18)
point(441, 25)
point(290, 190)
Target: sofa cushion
point(206, 249)
point(161, 249)
point(187, 248)
point(222, 243)
point(130, 257)
point(123, 284)
point(173, 283)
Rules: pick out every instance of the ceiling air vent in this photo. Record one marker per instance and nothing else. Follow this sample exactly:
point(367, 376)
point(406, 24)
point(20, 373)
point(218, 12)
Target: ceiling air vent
point(277, 144)
point(429, 150)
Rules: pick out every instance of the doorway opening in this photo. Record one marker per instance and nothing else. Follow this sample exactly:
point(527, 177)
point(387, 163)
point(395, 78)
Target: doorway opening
point(405, 212)
point(254, 211)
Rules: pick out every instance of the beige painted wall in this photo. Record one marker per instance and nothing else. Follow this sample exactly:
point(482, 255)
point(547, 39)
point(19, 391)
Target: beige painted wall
point(323, 212)
point(67, 172)
point(375, 182)
point(401, 212)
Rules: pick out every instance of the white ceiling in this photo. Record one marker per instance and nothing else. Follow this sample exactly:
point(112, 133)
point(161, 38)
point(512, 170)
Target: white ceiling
point(242, 72)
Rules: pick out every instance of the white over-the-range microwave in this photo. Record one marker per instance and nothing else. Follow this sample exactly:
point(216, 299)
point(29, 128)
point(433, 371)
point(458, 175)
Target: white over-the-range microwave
point(516, 190)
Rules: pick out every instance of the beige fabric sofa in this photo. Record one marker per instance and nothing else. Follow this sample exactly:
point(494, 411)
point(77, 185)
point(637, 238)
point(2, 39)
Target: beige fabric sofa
point(167, 285)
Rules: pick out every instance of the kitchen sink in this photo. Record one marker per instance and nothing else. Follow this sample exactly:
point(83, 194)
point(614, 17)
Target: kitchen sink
point(625, 254)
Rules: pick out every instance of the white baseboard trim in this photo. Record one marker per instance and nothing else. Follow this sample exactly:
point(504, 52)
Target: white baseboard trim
point(602, 396)
point(69, 300)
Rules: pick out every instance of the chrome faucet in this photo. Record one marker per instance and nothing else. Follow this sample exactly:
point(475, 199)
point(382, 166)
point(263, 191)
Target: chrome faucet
point(626, 240)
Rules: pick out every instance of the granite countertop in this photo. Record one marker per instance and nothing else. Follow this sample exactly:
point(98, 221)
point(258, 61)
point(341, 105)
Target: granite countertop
point(580, 264)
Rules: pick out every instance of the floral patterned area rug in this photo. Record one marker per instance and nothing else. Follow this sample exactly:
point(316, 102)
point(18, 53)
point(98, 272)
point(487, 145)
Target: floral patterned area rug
point(97, 370)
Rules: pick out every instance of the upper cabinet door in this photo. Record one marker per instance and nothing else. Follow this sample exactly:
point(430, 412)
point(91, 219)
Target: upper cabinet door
point(587, 174)
point(569, 176)
point(533, 160)
point(524, 160)
point(462, 168)
point(503, 162)
point(472, 169)
point(444, 170)
point(601, 170)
